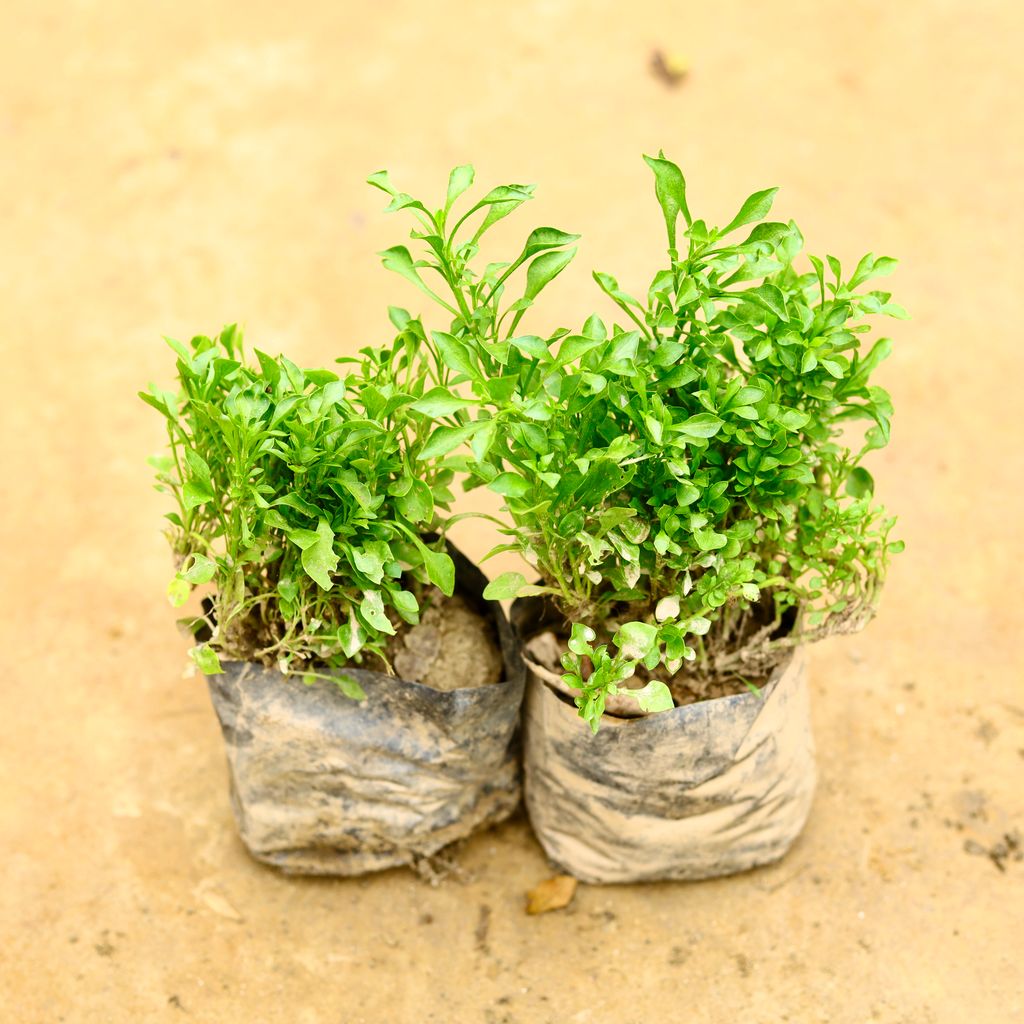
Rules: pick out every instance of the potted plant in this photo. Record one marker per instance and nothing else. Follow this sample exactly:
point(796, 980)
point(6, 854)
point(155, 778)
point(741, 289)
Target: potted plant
point(689, 487)
point(305, 503)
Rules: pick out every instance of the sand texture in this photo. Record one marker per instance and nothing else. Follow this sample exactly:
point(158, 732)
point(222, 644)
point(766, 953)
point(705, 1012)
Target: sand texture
point(166, 168)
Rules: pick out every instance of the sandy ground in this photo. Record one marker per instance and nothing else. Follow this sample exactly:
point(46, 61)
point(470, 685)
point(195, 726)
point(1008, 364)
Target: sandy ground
point(168, 167)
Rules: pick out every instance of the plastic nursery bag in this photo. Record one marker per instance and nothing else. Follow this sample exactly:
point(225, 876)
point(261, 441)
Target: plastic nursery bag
point(705, 789)
point(322, 784)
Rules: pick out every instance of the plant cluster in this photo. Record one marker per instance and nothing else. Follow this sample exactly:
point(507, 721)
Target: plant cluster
point(685, 483)
point(300, 497)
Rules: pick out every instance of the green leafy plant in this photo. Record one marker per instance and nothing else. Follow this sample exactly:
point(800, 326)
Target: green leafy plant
point(301, 496)
point(688, 484)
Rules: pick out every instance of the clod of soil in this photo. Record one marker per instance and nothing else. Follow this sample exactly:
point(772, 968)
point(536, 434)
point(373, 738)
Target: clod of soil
point(688, 689)
point(453, 646)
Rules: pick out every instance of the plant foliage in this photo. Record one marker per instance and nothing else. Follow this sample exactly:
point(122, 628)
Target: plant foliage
point(685, 481)
point(301, 496)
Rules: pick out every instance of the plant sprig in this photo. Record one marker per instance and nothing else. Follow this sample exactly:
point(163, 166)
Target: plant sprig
point(300, 499)
point(684, 482)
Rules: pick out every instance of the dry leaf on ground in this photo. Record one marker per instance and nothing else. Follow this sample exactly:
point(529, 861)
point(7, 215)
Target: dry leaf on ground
point(552, 894)
point(670, 68)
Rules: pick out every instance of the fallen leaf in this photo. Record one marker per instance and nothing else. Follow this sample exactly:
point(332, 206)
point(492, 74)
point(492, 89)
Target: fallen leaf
point(671, 68)
point(552, 894)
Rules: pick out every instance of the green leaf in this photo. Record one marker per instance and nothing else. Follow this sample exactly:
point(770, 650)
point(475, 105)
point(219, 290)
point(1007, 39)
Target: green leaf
point(399, 260)
point(202, 569)
point(351, 637)
point(546, 238)
point(754, 689)
point(440, 568)
point(653, 697)
point(501, 202)
point(399, 317)
point(771, 298)
point(380, 179)
point(270, 369)
point(459, 180)
point(532, 346)
point(860, 483)
point(580, 639)
point(709, 540)
point(371, 608)
point(231, 340)
point(702, 425)
point(295, 376)
point(871, 266)
point(179, 350)
point(896, 311)
point(178, 591)
point(480, 443)
point(456, 355)
point(510, 485)
point(417, 504)
point(206, 660)
point(349, 686)
point(502, 194)
point(686, 493)
point(163, 402)
point(447, 439)
point(369, 561)
point(506, 587)
point(198, 465)
point(297, 502)
point(501, 389)
point(403, 201)
point(333, 392)
point(793, 419)
point(670, 189)
point(439, 401)
point(756, 207)
point(405, 604)
point(610, 286)
point(544, 269)
point(195, 493)
point(318, 557)
point(635, 640)
point(575, 346)
point(882, 349)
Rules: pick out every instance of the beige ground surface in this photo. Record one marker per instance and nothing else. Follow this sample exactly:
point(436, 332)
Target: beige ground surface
point(166, 167)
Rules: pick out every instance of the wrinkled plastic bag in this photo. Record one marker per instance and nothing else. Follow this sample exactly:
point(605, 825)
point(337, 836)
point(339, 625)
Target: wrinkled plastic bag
point(702, 790)
point(325, 785)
